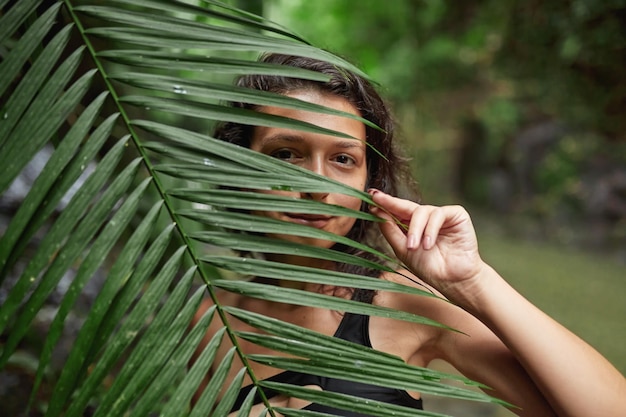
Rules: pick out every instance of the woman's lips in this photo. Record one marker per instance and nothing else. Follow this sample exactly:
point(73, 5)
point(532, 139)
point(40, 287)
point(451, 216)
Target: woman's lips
point(312, 220)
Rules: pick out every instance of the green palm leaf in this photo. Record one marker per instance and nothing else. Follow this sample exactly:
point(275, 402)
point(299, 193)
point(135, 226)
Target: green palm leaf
point(129, 195)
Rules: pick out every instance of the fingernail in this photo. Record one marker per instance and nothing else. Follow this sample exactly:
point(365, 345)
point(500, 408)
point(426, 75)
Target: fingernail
point(411, 242)
point(373, 191)
point(427, 242)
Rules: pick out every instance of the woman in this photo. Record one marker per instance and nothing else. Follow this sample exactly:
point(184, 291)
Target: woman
point(527, 358)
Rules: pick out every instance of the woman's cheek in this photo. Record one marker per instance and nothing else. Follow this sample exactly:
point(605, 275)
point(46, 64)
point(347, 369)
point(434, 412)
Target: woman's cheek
point(346, 225)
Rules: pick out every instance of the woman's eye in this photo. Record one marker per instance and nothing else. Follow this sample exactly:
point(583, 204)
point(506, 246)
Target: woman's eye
point(284, 154)
point(345, 160)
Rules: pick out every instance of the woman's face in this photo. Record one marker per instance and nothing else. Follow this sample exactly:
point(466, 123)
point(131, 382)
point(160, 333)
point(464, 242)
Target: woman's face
point(341, 159)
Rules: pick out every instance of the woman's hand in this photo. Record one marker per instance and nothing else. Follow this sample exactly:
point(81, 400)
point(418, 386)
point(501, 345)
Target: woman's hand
point(438, 244)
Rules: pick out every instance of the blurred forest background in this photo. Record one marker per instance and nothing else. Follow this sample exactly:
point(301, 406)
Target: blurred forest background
point(515, 109)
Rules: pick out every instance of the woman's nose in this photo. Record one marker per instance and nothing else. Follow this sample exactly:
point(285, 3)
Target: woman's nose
point(318, 166)
point(314, 196)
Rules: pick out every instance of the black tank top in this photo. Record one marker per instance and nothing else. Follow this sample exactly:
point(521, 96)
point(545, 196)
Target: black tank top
point(354, 328)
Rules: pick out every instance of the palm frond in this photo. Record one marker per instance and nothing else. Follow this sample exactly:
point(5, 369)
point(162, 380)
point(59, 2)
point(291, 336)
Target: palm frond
point(121, 93)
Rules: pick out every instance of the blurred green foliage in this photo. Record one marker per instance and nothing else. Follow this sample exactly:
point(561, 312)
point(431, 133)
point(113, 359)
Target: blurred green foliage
point(407, 46)
point(573, 53)
point(565, 56)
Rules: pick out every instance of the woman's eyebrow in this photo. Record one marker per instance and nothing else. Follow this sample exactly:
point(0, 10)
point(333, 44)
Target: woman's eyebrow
point(351, 143)
point(290, 138)
point(269, 140)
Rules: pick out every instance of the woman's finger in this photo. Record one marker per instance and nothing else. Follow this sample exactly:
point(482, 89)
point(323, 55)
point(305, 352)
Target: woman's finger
point(419, 220)
point(424, 222)
point(392, 232)
point(436, 219)
point(397, 207)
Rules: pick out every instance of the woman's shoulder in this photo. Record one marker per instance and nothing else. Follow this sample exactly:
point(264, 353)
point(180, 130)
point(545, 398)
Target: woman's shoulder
point(470, 332)
point(416, 343)
point(432, 302)
point(433, 306)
